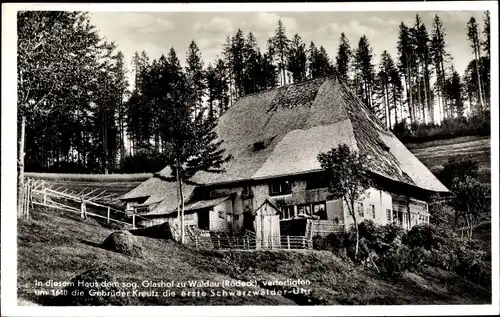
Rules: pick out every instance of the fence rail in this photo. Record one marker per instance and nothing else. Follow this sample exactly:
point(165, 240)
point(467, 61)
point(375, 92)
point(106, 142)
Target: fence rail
point(36, 192)
point(251, 242)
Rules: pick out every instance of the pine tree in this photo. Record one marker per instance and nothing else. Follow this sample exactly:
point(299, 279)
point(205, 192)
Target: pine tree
point(486, 34)
point(281, 45)
point(365, 71)
point(343, 58)
point(195, 76)
point(473, 36)
point(406, 62)
point(486, 59)
point(251, 60)
point(421, 38)
point(312, 61)
point(121, 85)
point(438, 53)
point(297, 59)
point(237, 58)
point(194, 143)
point(454, 93)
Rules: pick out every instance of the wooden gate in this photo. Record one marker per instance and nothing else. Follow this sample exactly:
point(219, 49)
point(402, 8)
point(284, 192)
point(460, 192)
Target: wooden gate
point(267, 226)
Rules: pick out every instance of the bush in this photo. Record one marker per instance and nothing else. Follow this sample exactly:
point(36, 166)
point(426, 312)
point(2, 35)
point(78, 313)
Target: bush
point(458, 167)
point(449, 128)
point(426, 236)
point(320, 243)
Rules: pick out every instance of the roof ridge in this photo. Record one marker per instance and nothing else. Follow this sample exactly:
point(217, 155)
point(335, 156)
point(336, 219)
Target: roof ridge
point(287, 86)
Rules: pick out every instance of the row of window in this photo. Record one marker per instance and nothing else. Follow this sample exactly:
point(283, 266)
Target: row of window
point(401, 218)
point(314, 209)
point(284, 187)
point(371, 211)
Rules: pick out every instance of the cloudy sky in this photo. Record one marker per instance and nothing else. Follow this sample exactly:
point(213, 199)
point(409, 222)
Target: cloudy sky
point(156, 32)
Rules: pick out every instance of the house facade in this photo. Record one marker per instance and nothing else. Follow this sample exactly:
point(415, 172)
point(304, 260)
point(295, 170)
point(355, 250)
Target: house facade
point(274, 138)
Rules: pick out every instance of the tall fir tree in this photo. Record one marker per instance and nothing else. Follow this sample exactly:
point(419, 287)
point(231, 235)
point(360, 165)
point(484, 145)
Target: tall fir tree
point(406, 62)
point(195, 76)
point(297, 61)
point(363, 62)
point(475, 44)
point(439, 54)
point(281, 45)
point(344, 55)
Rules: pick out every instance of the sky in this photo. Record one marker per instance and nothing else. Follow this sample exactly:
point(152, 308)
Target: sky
point(157, 32)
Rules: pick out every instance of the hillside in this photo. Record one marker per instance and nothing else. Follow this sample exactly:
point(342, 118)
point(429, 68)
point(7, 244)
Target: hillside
point(57, 246)
point(435, 153)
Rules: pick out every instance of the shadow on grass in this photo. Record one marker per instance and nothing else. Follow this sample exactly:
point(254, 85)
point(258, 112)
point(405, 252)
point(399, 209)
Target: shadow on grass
point(92, 244)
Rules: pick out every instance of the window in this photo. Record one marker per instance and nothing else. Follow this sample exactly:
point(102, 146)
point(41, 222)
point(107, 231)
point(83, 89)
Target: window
point(247, 192)
point(405, 221)
point(316, 182)
point(286, 212)
point(389, 215)
point(139, 210)
point(319, 209)
point(371, 208)
point(361, 212)
point(221, 214)
point(304, 209)
point(236, 217)
point(280, 188)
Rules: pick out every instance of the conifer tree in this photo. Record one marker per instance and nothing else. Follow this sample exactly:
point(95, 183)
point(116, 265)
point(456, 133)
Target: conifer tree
point(281, 45)
point(297, 58)
point(343, 58)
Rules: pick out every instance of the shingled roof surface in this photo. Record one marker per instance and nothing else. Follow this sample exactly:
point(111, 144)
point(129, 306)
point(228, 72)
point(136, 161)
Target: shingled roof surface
point(280, 132)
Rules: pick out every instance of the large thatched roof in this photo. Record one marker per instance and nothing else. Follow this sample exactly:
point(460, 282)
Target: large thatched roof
point(280, 132)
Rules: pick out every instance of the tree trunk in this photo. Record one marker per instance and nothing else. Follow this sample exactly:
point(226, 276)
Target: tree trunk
point(395, 105)
point(180, 210)
point(477, 54)
point(443, 83)
point(20, 169)
point(357, 236)
point(409, 91)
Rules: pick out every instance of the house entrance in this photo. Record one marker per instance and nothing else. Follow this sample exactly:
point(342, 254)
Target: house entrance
point(204, 219)
point(248, 219)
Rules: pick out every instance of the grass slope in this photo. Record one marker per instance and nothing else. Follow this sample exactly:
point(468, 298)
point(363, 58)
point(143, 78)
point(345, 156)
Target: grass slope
point(58, 246)
point(435, 154)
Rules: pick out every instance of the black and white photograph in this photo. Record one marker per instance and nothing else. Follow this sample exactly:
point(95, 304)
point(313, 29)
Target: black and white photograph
point(250, 156)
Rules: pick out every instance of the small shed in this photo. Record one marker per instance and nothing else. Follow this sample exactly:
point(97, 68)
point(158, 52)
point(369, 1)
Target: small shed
point(267, 226)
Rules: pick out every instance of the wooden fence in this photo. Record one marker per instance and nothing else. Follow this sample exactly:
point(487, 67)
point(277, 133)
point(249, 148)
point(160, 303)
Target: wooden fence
point(323, 227)
point(249, 241)
point(36, 192)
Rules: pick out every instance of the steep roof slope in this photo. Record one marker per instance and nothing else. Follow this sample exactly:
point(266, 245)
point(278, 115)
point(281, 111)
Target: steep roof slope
point(280, 132)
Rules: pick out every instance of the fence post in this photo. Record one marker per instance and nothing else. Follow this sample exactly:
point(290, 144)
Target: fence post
point(133, 220)
point(82, 208)
point(26, 199)
point(196, 242)
point(44, 194)
point(108, 214)
point(218, 240)
point(304, 241)
point(28, 205)
point(288, 241)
